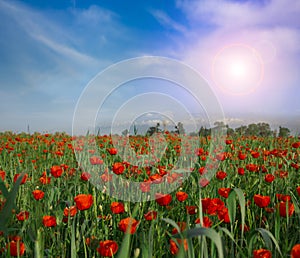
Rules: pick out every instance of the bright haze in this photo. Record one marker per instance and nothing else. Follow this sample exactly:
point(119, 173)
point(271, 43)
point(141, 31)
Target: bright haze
point(247, 51)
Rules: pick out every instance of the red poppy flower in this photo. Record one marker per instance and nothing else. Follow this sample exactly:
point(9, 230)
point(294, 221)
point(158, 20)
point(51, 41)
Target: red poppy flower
point(242, 156)
point(38, 194)
point(203, 182)
point(150, 215)
point(263, 169)
point(252, 167)
point(128, 225)
point(145, 186)
point(202, 170)
point(181, 196)
point(23, 179)
point(56, 171)
point(44, 179)
point(255, 154)
point(283, 197)
point(174, 248)
point(14, 246)
point(296, 145)
point(221, 156)
point(163, 199)
point(214, 205)
point(281, 173)
point(228, 141)
point(181, 225)
point(85, 176)
point(83, 201)
point(107, 248)
point(286, 209)
point(2, 175)
point(221, 175)
point(96, 160)
point(205, 203)
point(118, 168)
point(262, 253)
point(207, 223)
point(112, 151)
point(261, 201)
point(23, 215)
point(156, 179)
point(105, 177)
point(298, 190)
point(117, 207)
point(224, 192)
point(269, 178)
point(295, 252)
point(199, 151)
point(70, 211)
point(49, 221)
point(223, 215)
point(92, 242)
point(191, 209)
point(241, 171)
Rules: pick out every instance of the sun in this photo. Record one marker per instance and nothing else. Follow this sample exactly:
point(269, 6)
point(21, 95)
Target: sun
point(237, 69)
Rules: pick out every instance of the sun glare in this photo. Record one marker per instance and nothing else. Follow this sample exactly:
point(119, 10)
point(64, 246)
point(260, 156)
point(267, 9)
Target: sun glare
point(237, 69)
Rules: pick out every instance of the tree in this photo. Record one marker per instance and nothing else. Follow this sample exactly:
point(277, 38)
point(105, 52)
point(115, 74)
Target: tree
point(220, 127)
point(264, 129)
point(284, 132)
point(153, 129)
point(252, 130)
point(241, 130)
point(204, 131)
point(179, 128)
point(135, 130)
point(230, 131)
point(125, 132)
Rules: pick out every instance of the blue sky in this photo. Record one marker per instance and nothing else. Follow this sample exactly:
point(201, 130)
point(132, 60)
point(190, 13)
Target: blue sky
point(247, 51)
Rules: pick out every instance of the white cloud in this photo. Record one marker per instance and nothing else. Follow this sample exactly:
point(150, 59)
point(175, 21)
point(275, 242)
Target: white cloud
point(167, 21)
point(230, 14)
point(270, 27)
point(66, 51)
point(94, 15)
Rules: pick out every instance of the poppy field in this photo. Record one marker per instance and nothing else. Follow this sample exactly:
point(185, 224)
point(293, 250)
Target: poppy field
point(51, 206)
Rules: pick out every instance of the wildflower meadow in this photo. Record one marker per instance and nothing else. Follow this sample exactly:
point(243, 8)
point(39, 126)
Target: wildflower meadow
point(50, 205)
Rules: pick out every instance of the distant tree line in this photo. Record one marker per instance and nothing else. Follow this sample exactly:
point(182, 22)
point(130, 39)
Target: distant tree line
point(258, 129)
point(254, 129)
point(179, 129)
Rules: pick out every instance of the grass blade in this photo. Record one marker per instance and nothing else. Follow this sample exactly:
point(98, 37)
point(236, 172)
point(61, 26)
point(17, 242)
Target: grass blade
point(207, 232)
point(268, 239)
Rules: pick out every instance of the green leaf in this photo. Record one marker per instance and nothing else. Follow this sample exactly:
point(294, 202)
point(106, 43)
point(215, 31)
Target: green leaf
point(172, 222)
point(226, 231)
point(295, 202)
point(3, 189)
point(231, 203)
point(268, 239)
point(125, 247)
point(6, 213)
point(208, 232)
point(242, 203)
